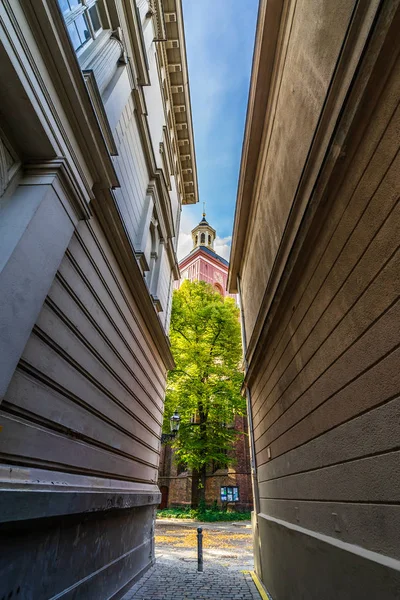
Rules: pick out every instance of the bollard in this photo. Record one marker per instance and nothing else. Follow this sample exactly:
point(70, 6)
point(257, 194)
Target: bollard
point(199, 550)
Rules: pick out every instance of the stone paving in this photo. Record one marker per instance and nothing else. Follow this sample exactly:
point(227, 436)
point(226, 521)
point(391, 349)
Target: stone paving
point(174, 580)
point(227, 553)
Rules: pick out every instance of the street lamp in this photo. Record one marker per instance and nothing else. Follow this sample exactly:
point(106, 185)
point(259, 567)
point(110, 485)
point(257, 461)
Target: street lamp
point(174, 423)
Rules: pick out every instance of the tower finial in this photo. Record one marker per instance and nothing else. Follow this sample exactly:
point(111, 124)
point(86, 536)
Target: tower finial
point(204, 209)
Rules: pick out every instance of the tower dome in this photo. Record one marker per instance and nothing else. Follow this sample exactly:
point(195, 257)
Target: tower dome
point(203, 234)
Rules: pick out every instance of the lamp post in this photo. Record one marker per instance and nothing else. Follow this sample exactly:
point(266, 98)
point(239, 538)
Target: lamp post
point(174, 423)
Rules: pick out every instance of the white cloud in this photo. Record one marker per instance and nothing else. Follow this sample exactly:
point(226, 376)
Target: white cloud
point(222, 246)
point(185, 244)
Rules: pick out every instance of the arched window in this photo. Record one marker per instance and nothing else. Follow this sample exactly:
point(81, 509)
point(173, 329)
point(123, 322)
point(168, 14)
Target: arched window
point(203, 238)
point(218, 288)
point(196, 240)
point(209, 240)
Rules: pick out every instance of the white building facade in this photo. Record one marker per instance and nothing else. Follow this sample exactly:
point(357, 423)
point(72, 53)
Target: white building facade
point(96, 160)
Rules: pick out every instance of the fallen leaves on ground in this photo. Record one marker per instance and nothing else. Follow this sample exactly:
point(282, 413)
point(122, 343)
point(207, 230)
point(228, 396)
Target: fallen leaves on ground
point(211, 539)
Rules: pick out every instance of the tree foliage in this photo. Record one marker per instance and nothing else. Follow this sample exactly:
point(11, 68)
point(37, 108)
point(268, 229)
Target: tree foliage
point(205, 385)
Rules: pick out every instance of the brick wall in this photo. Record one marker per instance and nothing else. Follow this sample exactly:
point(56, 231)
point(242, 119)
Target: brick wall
point(239, 474)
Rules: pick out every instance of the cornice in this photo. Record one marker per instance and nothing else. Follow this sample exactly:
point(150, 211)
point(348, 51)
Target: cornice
point(203, 227)
point(175, 63)
point(157, 10)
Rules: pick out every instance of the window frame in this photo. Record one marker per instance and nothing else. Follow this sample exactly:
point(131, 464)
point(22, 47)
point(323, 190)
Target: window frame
point(84, 8)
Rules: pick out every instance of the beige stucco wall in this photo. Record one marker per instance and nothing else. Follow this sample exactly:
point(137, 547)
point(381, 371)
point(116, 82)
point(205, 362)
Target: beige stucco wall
point(317, 30)
point(320, 282)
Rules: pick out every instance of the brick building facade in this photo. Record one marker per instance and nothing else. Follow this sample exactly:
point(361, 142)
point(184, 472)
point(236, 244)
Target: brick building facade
point(204, 264)
point(176, 485)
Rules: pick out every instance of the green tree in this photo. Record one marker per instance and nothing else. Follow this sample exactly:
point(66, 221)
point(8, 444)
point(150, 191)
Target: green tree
point(205, 385)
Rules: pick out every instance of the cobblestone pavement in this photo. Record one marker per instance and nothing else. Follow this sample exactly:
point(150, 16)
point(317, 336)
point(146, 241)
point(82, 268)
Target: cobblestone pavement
point(171, 579)
point(227, 552)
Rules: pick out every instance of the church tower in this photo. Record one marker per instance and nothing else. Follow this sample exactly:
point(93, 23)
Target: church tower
point(203, 234)
point(203, 263)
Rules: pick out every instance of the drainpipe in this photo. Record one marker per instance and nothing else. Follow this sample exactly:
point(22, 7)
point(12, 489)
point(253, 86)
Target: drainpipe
point(254, 477)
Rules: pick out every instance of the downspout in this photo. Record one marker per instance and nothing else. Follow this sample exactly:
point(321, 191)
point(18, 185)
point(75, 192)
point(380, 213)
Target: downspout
point(254, 477)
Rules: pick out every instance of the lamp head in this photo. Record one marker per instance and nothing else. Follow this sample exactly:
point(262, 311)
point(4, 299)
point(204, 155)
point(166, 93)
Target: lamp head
point(174, 422)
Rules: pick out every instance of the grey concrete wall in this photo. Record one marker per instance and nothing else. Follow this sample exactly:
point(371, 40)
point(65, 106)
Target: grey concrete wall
point(92, 556)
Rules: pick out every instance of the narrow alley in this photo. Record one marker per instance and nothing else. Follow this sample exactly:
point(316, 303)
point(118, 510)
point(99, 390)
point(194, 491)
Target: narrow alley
point(199, 299)
point(228, 564)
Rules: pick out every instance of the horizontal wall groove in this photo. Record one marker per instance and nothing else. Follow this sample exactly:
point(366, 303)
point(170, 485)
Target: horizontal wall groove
point(98, 329)
point(327, 243)
point(100, 359)
point(44, 379)
point(113, 275)
point(332, 501)
point(16, 460)
point(79, 271)
point(53, 427)
point(363, 333)
point(348, 383)
point(340, 462)
point(338, 425)
point(60, 351)
point(344, 315)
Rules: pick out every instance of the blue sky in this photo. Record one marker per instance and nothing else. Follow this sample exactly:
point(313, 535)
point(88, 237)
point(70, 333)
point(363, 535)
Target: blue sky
point(219, 43)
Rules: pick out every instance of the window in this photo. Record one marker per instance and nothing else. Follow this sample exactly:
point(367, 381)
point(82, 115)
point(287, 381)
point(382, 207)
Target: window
point(230, 494)
point(209, 240)
point(203, 238)
point(82, 19)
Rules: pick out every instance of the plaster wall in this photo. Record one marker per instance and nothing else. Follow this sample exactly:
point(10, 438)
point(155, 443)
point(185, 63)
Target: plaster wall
point(202, 268)
point(86, 400)
point(323, 371)
point(84, 350)
point(131, 168)
point(317, 31)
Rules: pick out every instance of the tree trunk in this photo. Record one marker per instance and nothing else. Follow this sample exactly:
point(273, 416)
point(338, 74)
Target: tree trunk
point(195, 489)
point(202, 486)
